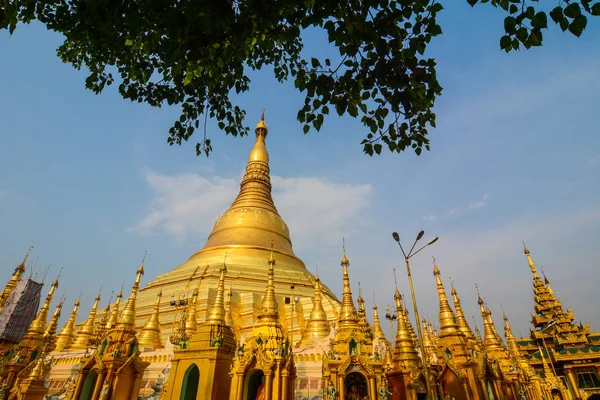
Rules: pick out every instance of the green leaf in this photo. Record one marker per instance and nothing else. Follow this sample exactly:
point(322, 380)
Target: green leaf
point(596, 9)
point(572, 10)
point(505, 43)
point(578, 25)
point(128, 42)
point(557, 14)
point(510, 24)
point(540, 21)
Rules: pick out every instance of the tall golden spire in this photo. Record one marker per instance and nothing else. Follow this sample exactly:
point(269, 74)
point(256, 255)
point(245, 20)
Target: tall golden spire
point(448, 325)
point(463, 325)
point(87, 330)
point(317, 326)
point(114, 315)
point(216, 315)
point(38, 326)
point(405, 352)
point(347, 316)
point(377, 331)
point(16, 277)
point(252, 219)
point(66, 335)
point(269, 312)
point(127, 319)
point(149, 336)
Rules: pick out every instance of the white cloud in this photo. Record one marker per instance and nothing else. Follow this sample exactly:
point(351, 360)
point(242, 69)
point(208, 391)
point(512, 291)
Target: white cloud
point(316, 209)
point(457, 211)
point(476, 205)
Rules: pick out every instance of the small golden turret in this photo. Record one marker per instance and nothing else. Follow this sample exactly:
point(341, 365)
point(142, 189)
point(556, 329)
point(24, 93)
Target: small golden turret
point(513, 346)
point(114, 314)
point(191, 324)
point(530, 261)
point(478, 336)
point(448, 325)
point(377, 331)
point(317, 326)
point(347, 316)
point(127, 319)
point(428, 343)
point(269, 312)
point(362, 315)
point(228, 312)
point(38, 326)
point(267, 328)
point(217, 314)
point(150, 335)
point(87, 330)
point(12, 283)
point(490, 336)
point(66, 335)
point(405, 353)
point(53, 324)
point(463, 325)
point(411, 329)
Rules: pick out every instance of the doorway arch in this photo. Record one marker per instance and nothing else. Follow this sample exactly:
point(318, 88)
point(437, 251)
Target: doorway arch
point(355, 384)
point(254, 380)
point(594, 397)
point(189, 388)
point(88, 385)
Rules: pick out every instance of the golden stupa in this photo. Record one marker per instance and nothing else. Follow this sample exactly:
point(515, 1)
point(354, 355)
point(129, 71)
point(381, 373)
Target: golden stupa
point(242, 239)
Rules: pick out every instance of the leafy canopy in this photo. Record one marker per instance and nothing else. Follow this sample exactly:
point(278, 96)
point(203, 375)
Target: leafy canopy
point(197, 54)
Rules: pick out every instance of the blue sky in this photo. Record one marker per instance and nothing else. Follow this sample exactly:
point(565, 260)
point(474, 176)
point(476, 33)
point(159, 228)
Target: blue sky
point(516, 156)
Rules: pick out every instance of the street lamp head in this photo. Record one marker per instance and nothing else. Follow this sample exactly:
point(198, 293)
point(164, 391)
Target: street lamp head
point(420, 235)
point(432, 241)
point(396, 236)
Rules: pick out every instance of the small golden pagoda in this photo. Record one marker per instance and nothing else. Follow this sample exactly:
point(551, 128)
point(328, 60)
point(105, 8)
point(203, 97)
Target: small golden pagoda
point(263, 367)
point(23, 365)
point(114, 369)
point(201, 369)
point(565, 354)
point(350, 369)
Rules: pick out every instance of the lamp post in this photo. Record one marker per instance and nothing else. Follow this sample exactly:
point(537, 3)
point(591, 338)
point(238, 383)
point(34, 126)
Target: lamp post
point(407, 256)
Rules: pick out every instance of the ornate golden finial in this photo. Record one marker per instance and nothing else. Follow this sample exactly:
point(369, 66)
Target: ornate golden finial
point(448, 324)
point(86, 332)
point(66, 335)
point(348, 316)
point(529, 260)
point(217, 313)
point(461, 320)
point(150, 335)
point(317, 326)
